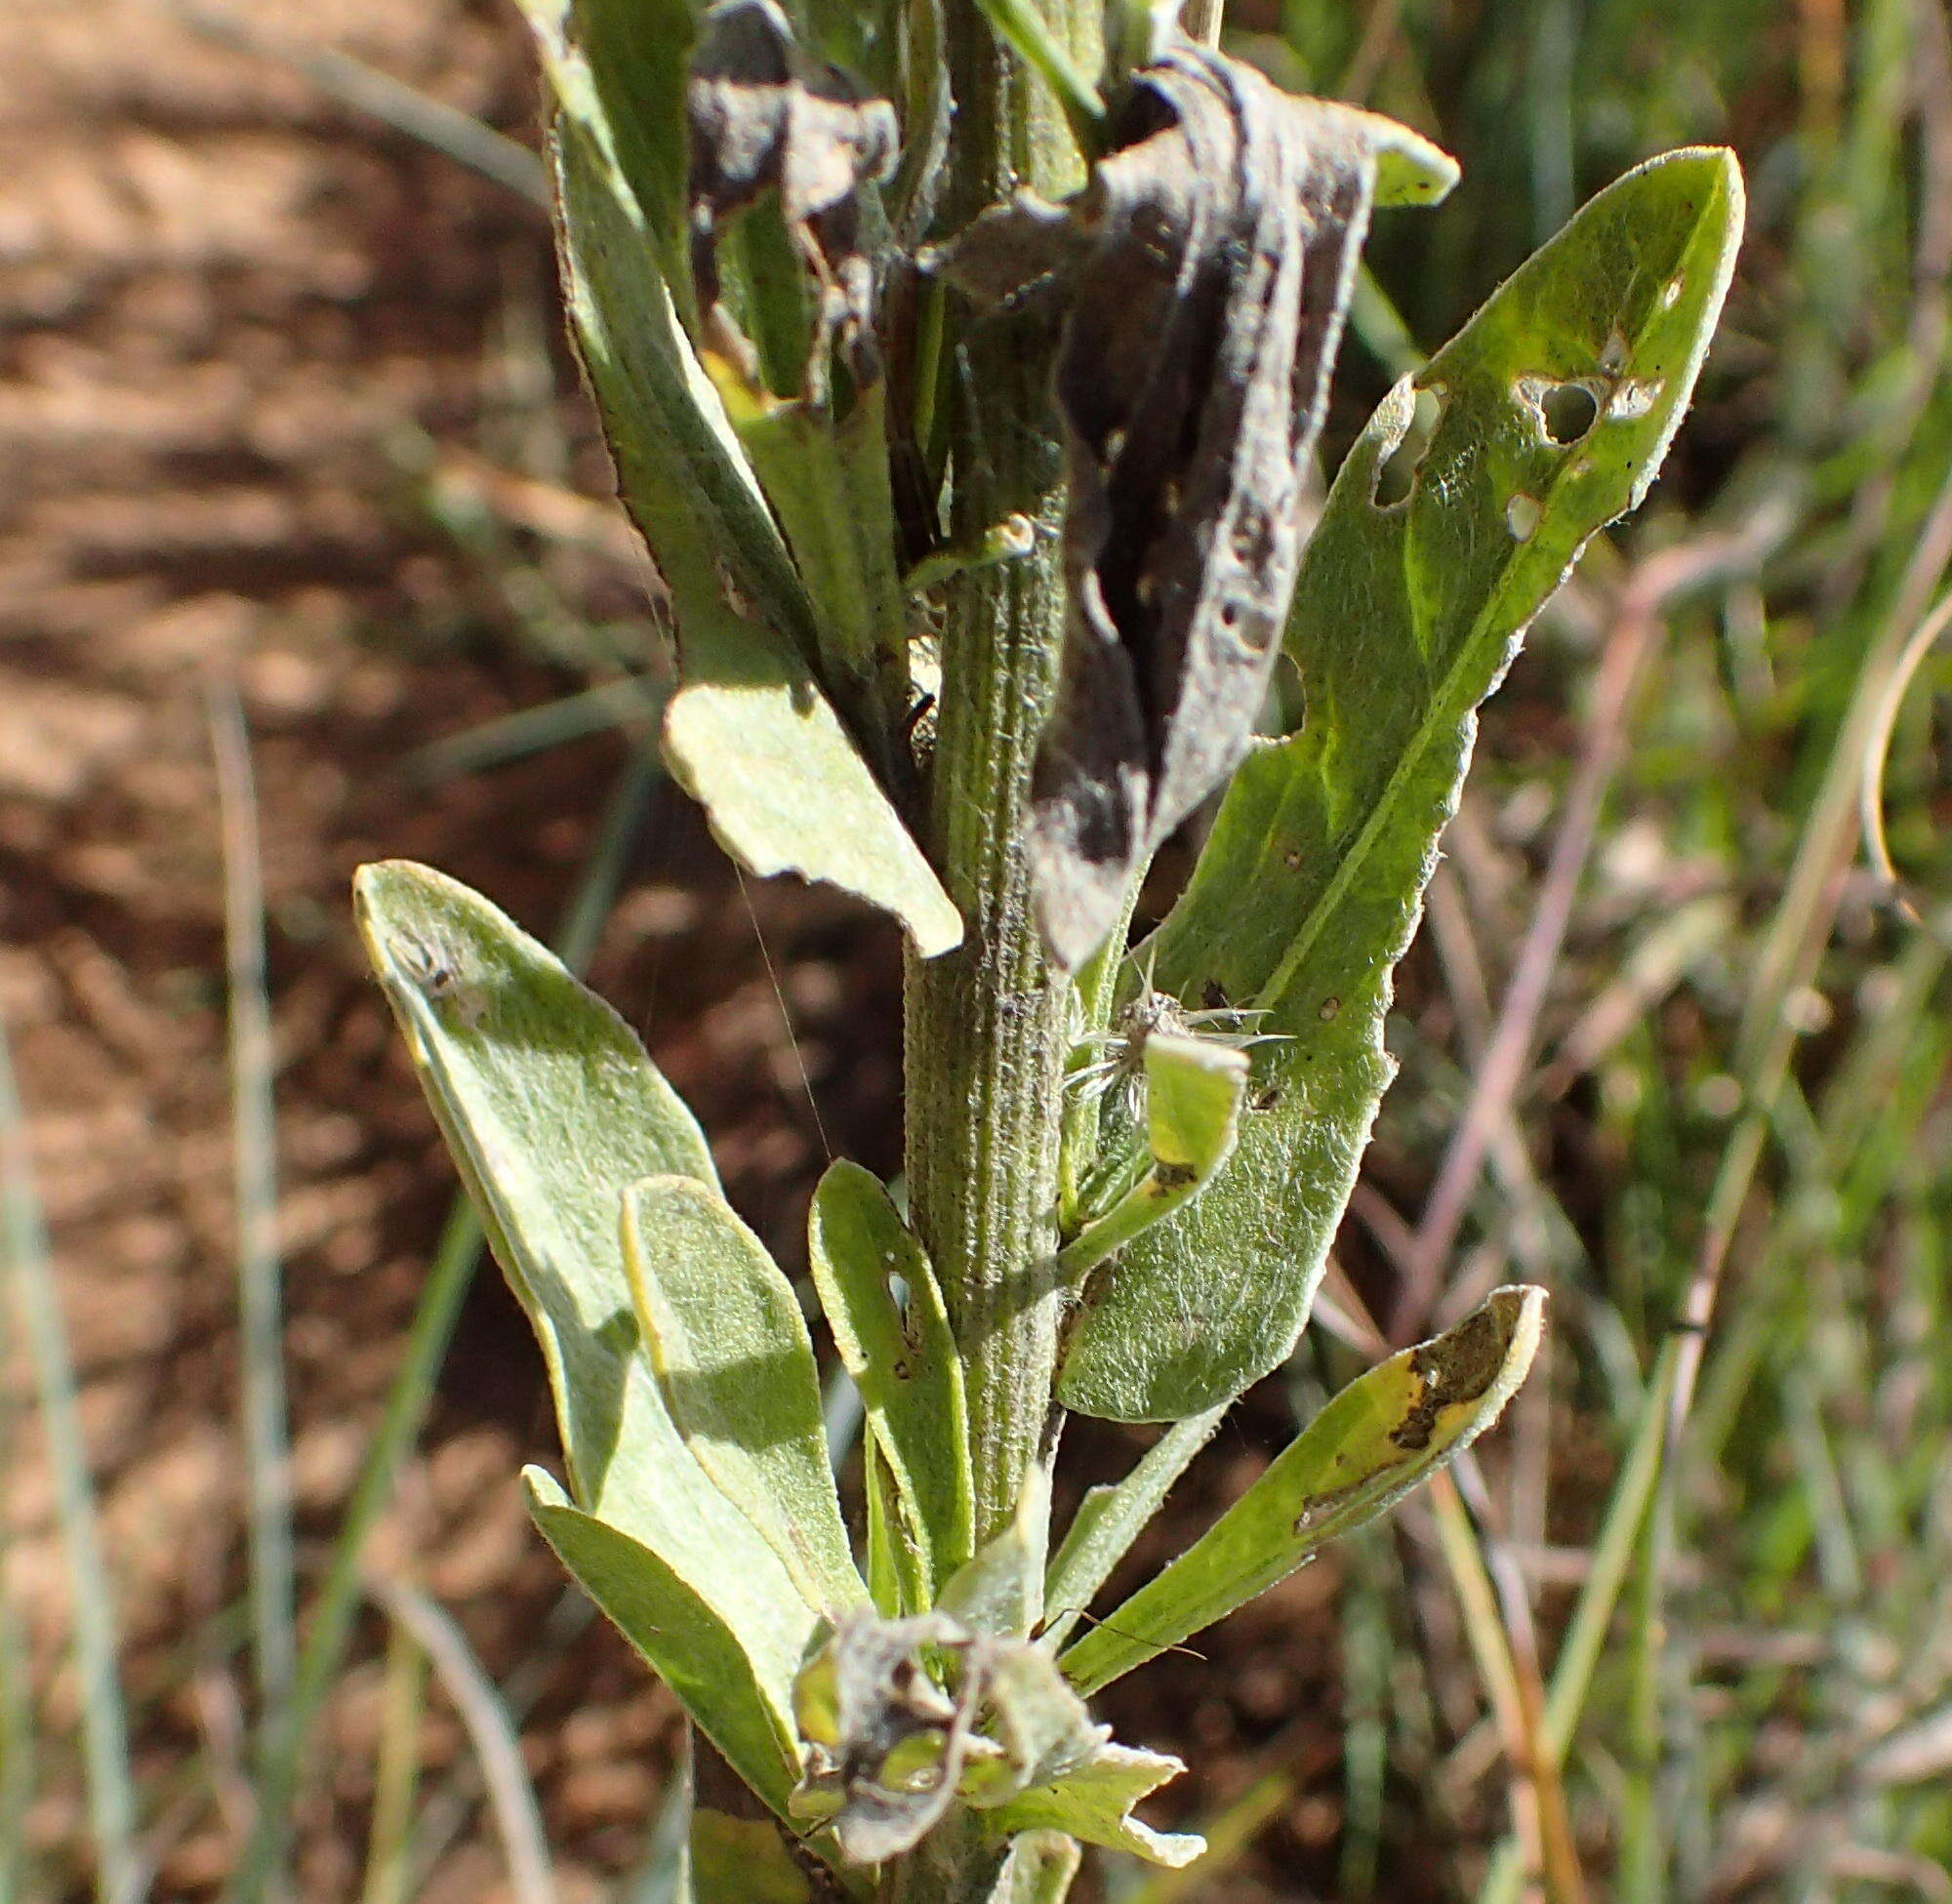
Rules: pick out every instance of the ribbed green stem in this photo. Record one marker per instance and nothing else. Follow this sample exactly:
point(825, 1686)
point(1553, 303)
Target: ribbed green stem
point(986, 1022)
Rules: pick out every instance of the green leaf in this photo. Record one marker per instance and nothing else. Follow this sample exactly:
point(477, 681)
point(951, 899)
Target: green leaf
point(639, 53)
point(1109, 1518)
point(751, 734)
point(741, 1861)
point(1406, 614)
point(896, 1582)
point(689, 1646)
point(827, 482)
point(550, 1110)
point(1095, 1802)
point(733, 1357)
point(1193, 1115)
point(740, 1855)
point(1038, 1869)
point(1000, 1592)
point(904, 1360)
point(1381, 1436)
point(550, 1107)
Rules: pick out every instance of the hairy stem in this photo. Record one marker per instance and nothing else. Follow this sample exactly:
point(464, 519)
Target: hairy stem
point(986, 1022)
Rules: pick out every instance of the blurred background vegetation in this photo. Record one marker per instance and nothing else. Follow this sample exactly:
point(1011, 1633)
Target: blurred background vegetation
point(298, 478)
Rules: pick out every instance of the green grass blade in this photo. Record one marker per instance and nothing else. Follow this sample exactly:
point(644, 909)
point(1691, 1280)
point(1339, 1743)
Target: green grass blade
point(260, 1274)
point(397, 1774)
point(17, 1744)
point(104, 1737)
point(512, 1798)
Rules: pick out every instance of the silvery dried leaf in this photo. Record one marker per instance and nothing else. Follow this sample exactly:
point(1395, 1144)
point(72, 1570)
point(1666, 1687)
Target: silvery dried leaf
point(766, 115)
point(885, 1742)
point(1224, 224)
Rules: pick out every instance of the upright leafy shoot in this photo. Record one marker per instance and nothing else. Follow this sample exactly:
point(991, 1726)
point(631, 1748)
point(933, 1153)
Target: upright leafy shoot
point(848, 451)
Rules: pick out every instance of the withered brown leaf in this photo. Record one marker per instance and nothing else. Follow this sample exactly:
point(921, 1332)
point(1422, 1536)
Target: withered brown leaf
point(764, 115)
point(1207, 268)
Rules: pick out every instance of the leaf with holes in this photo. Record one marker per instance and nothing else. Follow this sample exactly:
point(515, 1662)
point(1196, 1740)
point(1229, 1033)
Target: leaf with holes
point(1442, 539)
point(1381, 1436)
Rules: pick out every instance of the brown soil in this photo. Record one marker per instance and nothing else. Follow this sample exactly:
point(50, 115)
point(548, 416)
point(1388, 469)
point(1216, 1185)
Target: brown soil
point(282, 404)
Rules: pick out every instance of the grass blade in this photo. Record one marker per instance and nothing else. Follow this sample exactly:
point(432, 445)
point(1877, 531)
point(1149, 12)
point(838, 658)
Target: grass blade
point(259, 1274)
point(510, 1796)
point(390, 1843)
point(104, 1740)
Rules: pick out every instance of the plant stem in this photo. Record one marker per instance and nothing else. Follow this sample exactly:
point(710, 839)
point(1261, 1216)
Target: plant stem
point(986, 1022)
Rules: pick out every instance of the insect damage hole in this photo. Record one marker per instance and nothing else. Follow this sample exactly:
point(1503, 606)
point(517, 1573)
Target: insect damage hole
point(1568, 411)
point(1396, 473)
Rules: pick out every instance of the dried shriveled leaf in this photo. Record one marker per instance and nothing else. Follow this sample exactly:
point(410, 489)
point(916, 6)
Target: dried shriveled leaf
point(551, 1109)
point(1036, 1730)
point(1381, 1436)
point(1223, 225)
point(749, 733)
point(886, 1742)
point(766, 115)
point(725, 1334)
point(904, 1360)
point(1453, 520)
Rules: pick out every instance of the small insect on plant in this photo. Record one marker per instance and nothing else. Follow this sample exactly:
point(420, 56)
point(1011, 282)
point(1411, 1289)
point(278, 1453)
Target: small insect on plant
point(961, 364)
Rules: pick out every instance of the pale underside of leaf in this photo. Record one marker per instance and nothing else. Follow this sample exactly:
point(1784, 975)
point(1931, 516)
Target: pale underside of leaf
point(749, 735)
point(1406, 614)
point(1038, 1869)
point(550, 1107)
point(1374, 1441)
point(1096, 1803)
point(730, 1347)
point(1000, 1590)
